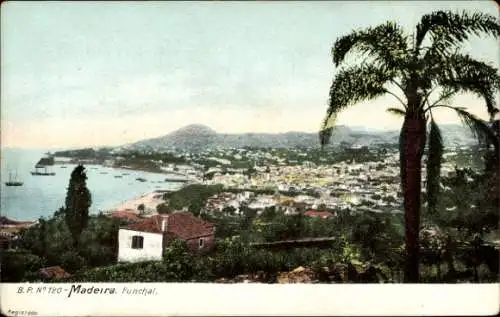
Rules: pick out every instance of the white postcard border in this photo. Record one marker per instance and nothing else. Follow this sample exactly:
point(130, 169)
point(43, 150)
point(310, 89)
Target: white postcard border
point(190, 299)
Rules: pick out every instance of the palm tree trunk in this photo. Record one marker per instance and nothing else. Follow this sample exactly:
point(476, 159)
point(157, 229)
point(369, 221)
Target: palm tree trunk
point(413, 138)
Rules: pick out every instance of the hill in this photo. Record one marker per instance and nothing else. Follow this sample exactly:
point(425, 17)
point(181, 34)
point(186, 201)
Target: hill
point(199, 137)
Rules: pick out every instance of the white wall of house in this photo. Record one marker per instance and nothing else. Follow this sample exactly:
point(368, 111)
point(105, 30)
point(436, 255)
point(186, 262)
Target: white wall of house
point(152, 246)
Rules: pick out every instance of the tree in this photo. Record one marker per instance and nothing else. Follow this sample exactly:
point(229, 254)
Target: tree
point(322, 207)
point(229, 211)
point(250, 172)
point(163, 208)
point(426, 65)
point(78, 201)
point(141, 208)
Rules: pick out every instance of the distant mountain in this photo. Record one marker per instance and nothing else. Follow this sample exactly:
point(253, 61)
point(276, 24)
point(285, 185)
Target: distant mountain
point(194, 130)
point(193, 136)
point(198, 137)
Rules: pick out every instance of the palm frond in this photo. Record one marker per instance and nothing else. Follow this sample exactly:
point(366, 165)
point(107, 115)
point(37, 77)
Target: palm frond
point(397, 111)
point(355, 84)
point(462, 73)
point(479, 128)
point(386, 43)
point(350, 86)
point(454, 28)
point(434, 157)
point(326, 130)
point(446, 94)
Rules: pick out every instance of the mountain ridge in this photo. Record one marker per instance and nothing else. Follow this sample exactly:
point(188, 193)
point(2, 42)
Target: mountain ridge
point(199, 136)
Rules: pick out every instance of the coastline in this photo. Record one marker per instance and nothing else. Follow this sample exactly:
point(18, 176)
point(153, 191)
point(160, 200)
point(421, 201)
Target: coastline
point(114, 186)
point(150, 200)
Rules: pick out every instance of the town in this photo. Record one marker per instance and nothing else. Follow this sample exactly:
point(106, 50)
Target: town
point(367, 179)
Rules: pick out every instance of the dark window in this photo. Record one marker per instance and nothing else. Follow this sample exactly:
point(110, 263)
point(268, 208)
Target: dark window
point(200, 243)
point(137, 242)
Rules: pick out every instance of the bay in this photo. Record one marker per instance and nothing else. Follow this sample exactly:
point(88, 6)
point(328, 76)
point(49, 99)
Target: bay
point(41, 196)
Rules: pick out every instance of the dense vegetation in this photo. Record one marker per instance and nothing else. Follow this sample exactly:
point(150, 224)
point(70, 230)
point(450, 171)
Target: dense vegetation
point(50, 243)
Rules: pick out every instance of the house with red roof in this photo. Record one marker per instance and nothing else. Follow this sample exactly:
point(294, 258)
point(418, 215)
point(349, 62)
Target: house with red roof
point(145, 240)
point(319, 214)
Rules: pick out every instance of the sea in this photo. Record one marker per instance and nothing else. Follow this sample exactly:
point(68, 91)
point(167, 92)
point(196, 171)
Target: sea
point(41, 196)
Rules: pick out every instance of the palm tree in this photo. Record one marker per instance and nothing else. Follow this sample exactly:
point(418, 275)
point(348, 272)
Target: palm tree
point(425, 65)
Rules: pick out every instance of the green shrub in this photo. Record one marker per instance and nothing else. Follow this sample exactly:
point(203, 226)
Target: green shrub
point(19, 264)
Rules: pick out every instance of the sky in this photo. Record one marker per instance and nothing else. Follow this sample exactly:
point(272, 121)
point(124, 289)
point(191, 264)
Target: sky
point(79, 74)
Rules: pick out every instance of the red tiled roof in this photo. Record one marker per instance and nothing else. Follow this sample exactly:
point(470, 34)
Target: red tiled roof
point(186, 226)
point(125, 214)
point(182, 224)
point(152, 224)
point(321, 214)
point(54, 271)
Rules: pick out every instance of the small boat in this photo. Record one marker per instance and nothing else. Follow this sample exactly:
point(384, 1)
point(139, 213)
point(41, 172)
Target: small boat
point(118, 176)
point(13, 181)
point(140, 179)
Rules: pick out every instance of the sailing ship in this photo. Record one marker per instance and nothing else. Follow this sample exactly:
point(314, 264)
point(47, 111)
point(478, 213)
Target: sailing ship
point(41, 166)
point(13, 181)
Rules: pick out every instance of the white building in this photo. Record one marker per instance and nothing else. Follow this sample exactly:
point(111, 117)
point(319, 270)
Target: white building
point(137, 246)
point(146, 240)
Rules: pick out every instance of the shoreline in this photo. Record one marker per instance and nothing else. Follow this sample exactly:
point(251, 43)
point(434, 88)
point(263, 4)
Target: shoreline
point(149, 199)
